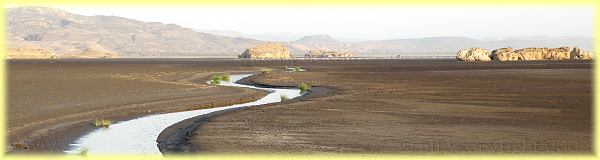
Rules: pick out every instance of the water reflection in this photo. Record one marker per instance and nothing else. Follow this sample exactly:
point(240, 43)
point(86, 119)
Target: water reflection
point(138, 136)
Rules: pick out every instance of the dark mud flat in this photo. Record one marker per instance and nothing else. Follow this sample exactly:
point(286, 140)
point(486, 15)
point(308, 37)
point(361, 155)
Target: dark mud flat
point(358, 106)
point(53, 102)
point(414, 106)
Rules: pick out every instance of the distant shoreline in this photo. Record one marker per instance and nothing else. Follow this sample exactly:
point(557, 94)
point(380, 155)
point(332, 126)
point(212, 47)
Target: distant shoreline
point(296, 58)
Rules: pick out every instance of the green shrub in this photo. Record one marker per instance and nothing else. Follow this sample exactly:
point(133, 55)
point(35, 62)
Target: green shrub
point(283, 97)
point(102, 122)
point(83, 152)
point(303, 87)
point(266, 71)
point(225, 77)
point(214, 82)
point(297, 68)
point(217, 78)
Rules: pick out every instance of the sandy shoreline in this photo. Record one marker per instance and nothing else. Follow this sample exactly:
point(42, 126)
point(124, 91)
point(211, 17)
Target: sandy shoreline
point(357, 106)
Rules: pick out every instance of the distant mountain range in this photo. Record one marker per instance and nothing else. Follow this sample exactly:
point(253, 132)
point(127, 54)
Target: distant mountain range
point(62, 32)
point(271, 37)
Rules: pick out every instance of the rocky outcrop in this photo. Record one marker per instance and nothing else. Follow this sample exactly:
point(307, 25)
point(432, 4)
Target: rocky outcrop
point(90, 53)
point(577, 53)
point(508, 54)
point(328, 54)
point(267, 51)
point(473, 54)
point(544, 53)
point(533, 54)
point(561, 53)
point(505, 54)
point(20, 53)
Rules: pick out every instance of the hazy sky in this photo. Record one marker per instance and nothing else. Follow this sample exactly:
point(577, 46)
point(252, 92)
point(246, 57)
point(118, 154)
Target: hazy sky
point(371, 22)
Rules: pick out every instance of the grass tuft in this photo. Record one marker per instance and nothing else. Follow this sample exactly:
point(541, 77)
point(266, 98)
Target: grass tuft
point(283, 97)
point(83, 152)
point(217, 78)
point(225, 77)
point(266, 71)
point(215, 82)
point(303, 87)
point(19, 146)
point(102, 122)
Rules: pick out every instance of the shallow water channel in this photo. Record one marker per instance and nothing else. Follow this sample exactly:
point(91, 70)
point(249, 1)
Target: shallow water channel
point(138, 136)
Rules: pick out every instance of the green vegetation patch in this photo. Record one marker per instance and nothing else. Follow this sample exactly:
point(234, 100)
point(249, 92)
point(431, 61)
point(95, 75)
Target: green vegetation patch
point(216, 79)
point(303, 87)
point(225, 77)
point(102, 122)
point(83, 152)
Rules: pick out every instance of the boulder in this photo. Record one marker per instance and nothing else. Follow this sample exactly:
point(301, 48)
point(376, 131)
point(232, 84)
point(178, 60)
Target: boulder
point(20, 53)
point(561, 53)
point(544, 53)
point(577, 53)
point(473, 54)
point(325, 54)
point(505, 54)
point(533, 54)
point(267, 51)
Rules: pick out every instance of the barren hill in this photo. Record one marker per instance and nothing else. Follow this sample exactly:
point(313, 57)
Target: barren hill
point(66, 33)
point(61, 32)
point(318, 39)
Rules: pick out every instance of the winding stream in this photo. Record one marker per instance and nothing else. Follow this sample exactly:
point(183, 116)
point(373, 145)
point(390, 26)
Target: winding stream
point(138, 136)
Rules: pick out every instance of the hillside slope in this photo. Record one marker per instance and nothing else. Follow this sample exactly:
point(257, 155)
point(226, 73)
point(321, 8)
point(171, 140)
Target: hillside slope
point(66, 33)
point(61, 32)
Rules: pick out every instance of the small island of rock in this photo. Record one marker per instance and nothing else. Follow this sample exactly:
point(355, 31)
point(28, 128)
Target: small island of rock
point(526, 54)
point(327, 54)
point(267, 51)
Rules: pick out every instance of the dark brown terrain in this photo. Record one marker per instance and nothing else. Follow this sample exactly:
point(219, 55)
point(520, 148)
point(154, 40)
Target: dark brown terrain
point(356, 106)
point(51, 102)
point(415, 106)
